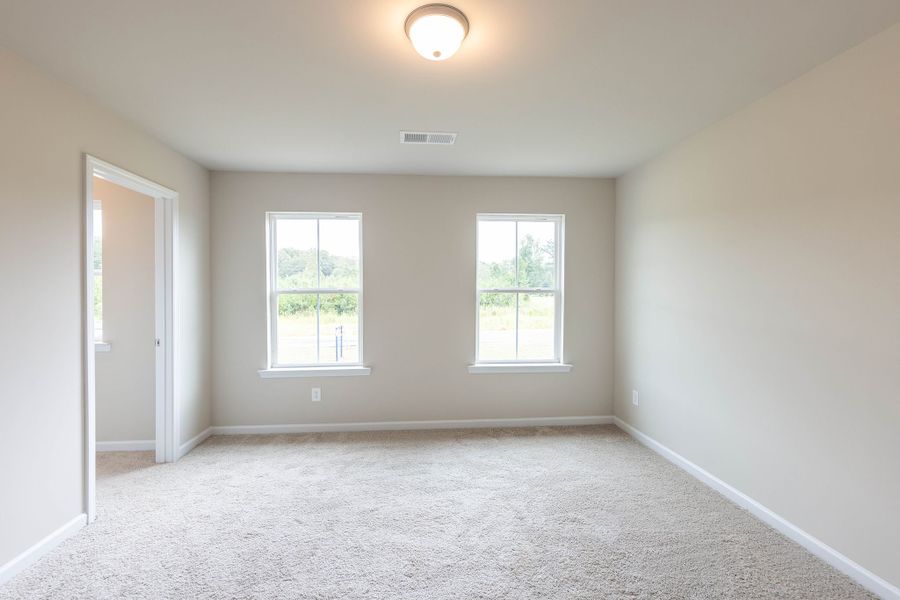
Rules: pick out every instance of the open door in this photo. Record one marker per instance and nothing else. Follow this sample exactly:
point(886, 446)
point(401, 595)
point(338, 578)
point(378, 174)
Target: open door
point(165, 211)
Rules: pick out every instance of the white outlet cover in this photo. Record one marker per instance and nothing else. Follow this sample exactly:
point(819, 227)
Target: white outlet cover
point(316, 394)
point(634, 398)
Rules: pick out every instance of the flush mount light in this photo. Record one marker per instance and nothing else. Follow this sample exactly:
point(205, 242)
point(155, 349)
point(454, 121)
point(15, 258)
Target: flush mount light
point(436, 30)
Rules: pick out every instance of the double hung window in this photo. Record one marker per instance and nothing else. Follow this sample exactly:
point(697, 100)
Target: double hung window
point(315, 289)
point(519, 288)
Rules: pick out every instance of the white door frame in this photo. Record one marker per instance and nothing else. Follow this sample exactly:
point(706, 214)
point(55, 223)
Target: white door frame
point(166, 229)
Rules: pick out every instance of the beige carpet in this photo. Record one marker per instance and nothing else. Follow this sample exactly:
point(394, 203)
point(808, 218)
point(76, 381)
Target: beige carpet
point(541, 513)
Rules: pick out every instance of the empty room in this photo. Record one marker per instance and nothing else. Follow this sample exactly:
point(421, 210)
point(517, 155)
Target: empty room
point(494, 299)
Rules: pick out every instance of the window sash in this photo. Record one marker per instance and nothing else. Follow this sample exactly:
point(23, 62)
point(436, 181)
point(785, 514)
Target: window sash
point(556, 289)
point(323, 290)
point(275, 292)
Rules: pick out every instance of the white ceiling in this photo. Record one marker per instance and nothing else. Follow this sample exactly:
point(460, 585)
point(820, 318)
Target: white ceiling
point(540, 87)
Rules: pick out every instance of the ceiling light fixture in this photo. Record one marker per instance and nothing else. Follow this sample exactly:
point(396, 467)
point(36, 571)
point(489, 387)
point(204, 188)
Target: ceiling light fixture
point(436, 30)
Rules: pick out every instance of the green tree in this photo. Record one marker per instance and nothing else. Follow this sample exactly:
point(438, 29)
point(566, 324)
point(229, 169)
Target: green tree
point(297, 304)
point(536, 262)
point(536, 267)
point(326, 263)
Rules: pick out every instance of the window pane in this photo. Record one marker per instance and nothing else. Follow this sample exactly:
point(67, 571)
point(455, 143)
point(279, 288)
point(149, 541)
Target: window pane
point(537, 314)
point(296, 260)
point(496, 254)
point(537, 254)
point(339, 328)
point(98, 306)
point(339, 253)
point(296, 329)
point(497, 327)
point(98, 272)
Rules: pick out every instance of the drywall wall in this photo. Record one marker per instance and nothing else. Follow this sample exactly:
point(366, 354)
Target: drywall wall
point(419, 306)
point(45, 129)
point(126, 375)
point(758, 302)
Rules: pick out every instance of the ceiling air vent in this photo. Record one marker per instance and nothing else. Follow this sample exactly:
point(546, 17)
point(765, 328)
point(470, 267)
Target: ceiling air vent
point(427, 137)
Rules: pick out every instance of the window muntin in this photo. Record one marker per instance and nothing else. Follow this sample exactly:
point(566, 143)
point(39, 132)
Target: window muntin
point(519, 288)
point(315, 289)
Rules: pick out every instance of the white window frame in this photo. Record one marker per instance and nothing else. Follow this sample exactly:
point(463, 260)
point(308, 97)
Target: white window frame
point(549, 365)
point(275, 369)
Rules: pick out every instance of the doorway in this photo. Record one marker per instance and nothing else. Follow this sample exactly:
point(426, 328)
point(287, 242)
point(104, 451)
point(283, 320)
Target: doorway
point(165, 203)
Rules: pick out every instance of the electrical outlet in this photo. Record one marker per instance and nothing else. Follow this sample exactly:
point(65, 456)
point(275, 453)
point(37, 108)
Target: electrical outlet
point(316, 394)
point(634, 398)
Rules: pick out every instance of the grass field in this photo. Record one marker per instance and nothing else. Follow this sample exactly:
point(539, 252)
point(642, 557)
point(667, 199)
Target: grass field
point(497, 329)
point(497, 333)
point(297, 338)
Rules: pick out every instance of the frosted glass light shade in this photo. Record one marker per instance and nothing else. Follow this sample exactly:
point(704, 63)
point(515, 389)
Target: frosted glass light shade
point(436, 30)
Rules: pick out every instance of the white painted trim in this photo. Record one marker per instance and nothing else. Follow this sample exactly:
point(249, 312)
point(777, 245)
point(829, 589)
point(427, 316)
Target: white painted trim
point(486, 368)
point(166, 234)
point(855, 571)
point(314, 372)
point(194, 442)
point(35, 552)
point(559, 221)
point(127, 446)
point(120, 176)
point(273, 292)
point(102, 347)
point(411, 425)
point(89, 357)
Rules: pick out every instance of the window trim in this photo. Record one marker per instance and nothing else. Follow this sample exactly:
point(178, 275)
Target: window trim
point(523, 365)
point(343, 371)
point(272, 294)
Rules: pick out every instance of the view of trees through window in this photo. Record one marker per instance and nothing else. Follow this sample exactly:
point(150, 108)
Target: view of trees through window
point(316, 276)
point(98, 272)
point(317, 271)
point(518, 288)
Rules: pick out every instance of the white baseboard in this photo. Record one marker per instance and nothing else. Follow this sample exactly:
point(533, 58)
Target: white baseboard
point(32, 554)
point(194, 441)
point(126, 446)
point(410, 425)
point(855, 571)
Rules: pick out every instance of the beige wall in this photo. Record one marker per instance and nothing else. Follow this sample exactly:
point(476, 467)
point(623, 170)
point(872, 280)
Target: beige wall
point(45, 127)
point(419, 313)
point(758, 302)
point(125, 376)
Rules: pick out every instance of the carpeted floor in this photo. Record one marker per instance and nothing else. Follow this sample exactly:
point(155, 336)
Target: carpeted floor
point(558, 513)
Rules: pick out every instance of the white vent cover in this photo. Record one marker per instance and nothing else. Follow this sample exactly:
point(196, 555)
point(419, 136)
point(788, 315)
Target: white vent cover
point(427, 137)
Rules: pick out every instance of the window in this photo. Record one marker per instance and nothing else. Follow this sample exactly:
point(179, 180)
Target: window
point(98, 271)
point(519, 288)
point(315, 289)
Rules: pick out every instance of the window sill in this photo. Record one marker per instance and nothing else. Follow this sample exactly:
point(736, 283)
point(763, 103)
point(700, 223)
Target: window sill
point(102, 347)
point(485, 368)
point(278, 373)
